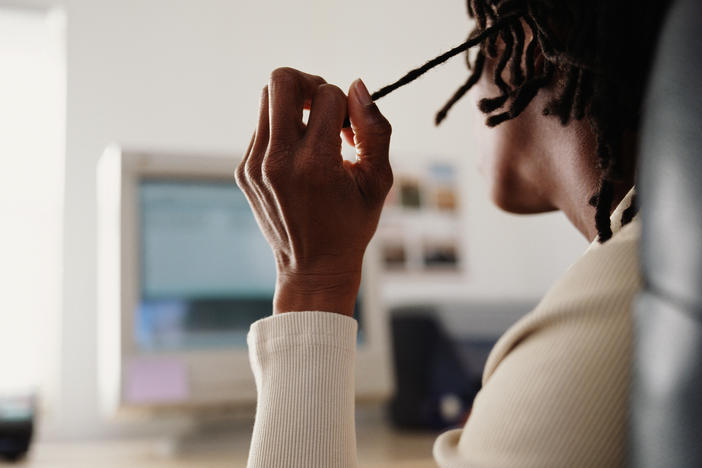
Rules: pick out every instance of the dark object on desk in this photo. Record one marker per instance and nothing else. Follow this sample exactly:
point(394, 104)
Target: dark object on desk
point(16, 426)
point(435, 390)
point(666, 400)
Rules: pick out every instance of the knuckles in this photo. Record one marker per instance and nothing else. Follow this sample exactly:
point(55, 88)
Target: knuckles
point(331, 92)
point(240, 175)
point(269, 169)
point(283, 75)
point(287, 76)
point(251, 172)
point(273, 168)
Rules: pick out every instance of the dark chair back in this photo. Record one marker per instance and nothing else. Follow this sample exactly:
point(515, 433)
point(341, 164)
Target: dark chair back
point(666, 402)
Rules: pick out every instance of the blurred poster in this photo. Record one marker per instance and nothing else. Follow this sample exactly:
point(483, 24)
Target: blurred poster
point(421, 229)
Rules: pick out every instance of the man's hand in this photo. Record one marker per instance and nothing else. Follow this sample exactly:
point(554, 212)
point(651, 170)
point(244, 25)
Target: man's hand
point(317, 211)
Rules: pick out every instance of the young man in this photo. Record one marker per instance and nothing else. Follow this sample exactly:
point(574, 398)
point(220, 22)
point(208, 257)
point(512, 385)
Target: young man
point(564, 82)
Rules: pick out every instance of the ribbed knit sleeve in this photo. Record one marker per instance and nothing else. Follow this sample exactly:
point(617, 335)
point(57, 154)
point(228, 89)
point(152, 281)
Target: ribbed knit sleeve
point(303, 364)
point(555, 387)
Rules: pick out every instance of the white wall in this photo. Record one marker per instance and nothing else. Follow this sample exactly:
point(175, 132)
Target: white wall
point(32, 93)
point(186, 75)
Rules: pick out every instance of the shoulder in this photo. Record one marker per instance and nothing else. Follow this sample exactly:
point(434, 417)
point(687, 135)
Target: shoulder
point(555, 387)
point(596, 292)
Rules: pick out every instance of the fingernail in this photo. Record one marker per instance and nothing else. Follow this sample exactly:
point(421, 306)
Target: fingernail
point(362, 93)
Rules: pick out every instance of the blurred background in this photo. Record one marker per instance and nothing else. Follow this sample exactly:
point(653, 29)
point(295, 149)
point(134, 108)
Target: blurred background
point(172, 78)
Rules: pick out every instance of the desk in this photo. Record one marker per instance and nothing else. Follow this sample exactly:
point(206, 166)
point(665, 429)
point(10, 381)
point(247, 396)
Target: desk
point(379, 446)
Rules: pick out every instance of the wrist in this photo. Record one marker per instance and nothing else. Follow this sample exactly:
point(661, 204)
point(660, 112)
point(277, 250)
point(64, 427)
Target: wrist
point(316, 292)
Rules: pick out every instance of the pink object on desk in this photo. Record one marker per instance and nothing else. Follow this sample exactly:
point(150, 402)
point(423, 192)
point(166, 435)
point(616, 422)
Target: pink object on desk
point(156, 380)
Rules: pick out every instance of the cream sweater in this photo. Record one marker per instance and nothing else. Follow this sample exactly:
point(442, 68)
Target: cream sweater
point(555, 387)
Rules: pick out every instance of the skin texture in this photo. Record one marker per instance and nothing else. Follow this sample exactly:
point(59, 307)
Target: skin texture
point(534, 164)
point(318, 212)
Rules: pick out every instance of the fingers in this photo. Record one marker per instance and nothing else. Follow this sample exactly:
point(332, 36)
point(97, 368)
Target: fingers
point(240, 173)
point(326, 115)
point(371, 134)
point(258, 150)
point(371, 129)
point(289, 90)
point(248, 174)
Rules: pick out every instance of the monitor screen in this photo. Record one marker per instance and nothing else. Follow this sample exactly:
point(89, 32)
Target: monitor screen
point(206, 270)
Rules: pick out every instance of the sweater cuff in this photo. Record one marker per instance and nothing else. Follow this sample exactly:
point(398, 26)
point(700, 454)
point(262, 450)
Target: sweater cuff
point(283, 331)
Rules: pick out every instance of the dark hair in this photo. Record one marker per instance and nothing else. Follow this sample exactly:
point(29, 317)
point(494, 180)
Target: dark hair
point(597, 53)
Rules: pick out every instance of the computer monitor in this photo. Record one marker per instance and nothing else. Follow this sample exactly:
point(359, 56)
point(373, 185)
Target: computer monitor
point(183, 272)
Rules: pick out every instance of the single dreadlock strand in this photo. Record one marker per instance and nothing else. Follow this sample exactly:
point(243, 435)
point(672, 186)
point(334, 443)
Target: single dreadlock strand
point(490, 12)
point(631, 211)
point(504, 59)
point(530, 54)
point(488, 105)
point(471, 36)
point(492, 46)
point(602, 211)
point(516, 67)
point(497, 119)
point(460, 92)
point(480, 16)
point(474, 39)
point(417, 72)
point(606, 192)
point(492, 40)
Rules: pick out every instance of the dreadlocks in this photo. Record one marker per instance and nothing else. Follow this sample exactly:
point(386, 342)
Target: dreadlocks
point(596, 53)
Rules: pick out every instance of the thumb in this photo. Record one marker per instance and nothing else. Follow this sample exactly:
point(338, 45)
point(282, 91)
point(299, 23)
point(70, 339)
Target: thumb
point(371, 129)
